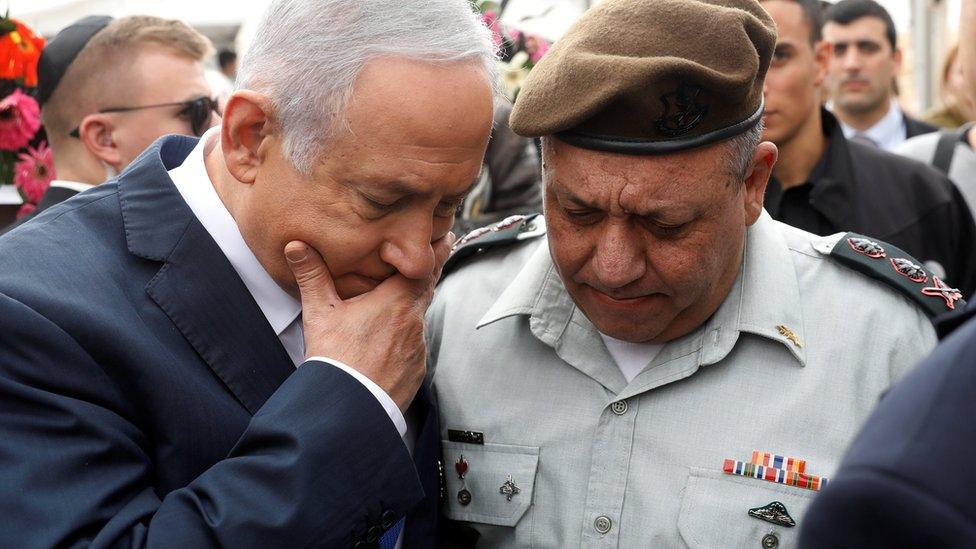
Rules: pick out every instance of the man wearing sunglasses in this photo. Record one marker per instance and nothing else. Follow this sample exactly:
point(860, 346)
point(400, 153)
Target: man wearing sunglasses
point(109, 88)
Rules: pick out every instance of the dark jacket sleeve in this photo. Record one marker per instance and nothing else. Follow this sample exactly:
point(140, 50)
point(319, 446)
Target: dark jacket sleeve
point(907, 479)
point(318, 464)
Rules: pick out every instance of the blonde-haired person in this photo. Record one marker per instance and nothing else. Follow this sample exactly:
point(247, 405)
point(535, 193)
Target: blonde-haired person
point(110, 87)
point(954, 110)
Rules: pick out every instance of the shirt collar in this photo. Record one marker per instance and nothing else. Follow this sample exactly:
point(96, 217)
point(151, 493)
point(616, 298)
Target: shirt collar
point(764, 300)
point(888, 132)
point(71, 185)
point(193, 183)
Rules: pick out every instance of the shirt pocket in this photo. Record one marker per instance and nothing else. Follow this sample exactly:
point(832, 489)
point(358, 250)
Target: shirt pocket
point(715, 511)
point(489, 467)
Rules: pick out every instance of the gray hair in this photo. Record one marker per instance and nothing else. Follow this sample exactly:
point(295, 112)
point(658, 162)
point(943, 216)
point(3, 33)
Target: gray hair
point(307, 54)
point(739, 152)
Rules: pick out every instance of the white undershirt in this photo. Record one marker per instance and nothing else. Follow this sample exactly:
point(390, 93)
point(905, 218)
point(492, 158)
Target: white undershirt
point(631, 358)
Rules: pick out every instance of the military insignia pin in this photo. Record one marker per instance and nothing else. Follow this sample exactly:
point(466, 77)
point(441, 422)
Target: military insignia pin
point(790, 335)
point(509, 488)
point(775, 513)
point(461, 468)
point(866, 247)
point(910, 270)
point(941, 289)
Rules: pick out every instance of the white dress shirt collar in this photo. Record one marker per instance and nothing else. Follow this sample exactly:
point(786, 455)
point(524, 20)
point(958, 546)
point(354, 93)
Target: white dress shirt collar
point(193, 183)
point(73, 185)
point(888, 133)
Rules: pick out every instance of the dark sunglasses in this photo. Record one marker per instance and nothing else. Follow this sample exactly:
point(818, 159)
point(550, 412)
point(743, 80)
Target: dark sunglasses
point(197, 111)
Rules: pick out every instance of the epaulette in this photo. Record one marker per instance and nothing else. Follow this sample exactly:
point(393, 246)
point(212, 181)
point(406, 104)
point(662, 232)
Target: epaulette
point(504, 233)
point(894, 267)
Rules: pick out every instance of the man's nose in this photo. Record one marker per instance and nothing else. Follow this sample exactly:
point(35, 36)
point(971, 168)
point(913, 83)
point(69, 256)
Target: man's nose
point(410, 252)
point(619, 258)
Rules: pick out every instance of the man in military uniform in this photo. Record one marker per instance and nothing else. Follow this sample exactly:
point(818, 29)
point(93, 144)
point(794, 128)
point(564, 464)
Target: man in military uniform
point(668, 366)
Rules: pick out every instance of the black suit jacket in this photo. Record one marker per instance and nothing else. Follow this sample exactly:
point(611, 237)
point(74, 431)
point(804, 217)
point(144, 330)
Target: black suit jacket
point(145, 401)
point(914, 126)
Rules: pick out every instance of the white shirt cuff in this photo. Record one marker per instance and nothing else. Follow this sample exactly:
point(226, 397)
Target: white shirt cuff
point(384, 399)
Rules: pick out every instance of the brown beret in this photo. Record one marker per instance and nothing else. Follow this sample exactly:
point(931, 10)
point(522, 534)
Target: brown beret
point(651, 76)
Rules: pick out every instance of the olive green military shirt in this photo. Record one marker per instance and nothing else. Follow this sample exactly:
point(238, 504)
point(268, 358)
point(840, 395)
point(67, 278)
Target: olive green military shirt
point(572, 455)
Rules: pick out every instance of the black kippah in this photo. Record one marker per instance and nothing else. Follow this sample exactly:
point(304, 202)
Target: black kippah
point(60, 52)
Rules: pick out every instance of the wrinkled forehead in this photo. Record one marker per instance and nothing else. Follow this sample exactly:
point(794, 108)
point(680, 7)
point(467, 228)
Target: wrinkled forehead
point(686, 177)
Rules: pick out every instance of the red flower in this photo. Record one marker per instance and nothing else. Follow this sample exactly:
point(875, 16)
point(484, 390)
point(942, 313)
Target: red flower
point(536, 47)
point(20, 118)
point(34, 173)
point(20, 50)
point(26, 210)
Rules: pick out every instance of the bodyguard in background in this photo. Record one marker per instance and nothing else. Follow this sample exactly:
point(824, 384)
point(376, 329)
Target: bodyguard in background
point(109, 88)
point(864, 62)
point(161, 382)
point(824, 183)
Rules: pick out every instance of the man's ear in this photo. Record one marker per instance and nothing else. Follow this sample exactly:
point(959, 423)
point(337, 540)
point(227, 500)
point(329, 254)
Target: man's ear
point(822, 52)
point(754, 185)
point(246, 125)
point(95, 133)
point(896, 56)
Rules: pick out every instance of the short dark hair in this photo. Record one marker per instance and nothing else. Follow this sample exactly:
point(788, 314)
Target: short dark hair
point(847, 11)
point(226, 57)
point(812, 16)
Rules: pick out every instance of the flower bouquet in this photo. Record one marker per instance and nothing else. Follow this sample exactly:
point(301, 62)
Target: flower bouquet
point(519, 51)
point(25, 159)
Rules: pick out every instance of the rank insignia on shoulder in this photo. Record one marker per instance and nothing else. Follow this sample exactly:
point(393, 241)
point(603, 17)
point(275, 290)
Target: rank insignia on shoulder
point(894, 267)
point(506, 232)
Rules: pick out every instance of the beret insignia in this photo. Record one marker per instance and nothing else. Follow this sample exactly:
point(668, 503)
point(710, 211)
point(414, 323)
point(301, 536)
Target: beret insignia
point(688, 112)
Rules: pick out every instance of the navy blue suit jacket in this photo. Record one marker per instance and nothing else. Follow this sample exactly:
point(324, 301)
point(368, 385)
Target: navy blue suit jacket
point(146, 401)
point(908, 479)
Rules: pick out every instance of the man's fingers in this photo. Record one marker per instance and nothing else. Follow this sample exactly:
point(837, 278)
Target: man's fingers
point(442, 251)
point(313, 277)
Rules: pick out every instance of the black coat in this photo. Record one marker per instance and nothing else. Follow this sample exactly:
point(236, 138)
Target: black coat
point(914, 126)
point(867, 190)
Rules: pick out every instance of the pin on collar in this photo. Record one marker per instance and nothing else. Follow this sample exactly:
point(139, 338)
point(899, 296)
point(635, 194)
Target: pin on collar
point(790, 335)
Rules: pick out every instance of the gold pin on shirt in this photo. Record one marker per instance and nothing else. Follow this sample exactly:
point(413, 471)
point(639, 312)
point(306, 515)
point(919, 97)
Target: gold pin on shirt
point(790, 335)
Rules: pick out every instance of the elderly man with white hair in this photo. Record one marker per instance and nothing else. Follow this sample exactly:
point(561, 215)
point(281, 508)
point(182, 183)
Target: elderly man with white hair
point(246, 366)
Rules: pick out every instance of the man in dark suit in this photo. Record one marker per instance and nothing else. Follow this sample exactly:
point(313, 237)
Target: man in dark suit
point(155, 67)
point(864, 62)
point(223, 346)
point(825, 183)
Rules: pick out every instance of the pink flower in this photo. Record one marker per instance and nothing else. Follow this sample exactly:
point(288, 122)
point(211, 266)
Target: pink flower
point(536, 48)
point(26, 210)
point(34, 172)
point(20, 118)
point(494, 25)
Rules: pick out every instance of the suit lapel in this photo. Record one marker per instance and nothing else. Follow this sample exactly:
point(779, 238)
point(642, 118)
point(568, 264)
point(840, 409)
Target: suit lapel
point(197, 287)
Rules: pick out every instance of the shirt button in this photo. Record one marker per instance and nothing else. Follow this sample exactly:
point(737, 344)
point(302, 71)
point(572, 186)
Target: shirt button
point(602, 524)
point(770, 541)
point(619, 407)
